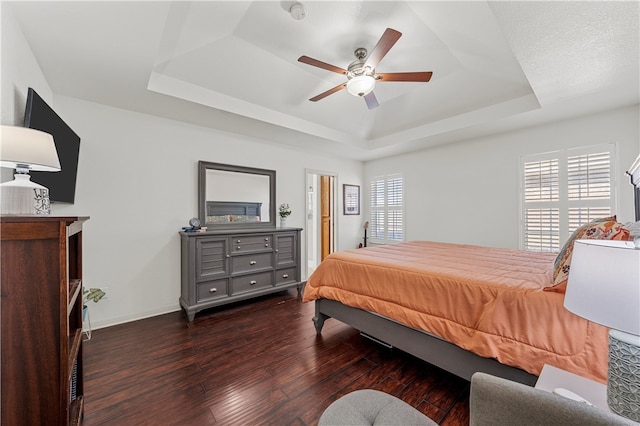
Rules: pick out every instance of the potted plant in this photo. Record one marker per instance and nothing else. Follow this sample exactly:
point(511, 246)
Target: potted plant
point(89, 295)
point(92, 295)
point(284, 212)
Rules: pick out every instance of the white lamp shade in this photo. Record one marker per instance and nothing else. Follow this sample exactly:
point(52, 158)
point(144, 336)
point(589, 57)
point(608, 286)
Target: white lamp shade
point(361, 85)
point(22, 146)
point(604, 284)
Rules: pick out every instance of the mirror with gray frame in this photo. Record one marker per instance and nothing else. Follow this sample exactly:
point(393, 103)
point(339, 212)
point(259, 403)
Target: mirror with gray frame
point(235, 196)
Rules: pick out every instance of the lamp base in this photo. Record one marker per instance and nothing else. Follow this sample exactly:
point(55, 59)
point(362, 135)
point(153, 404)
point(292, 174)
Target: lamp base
point(22, 196)
point(623, 388)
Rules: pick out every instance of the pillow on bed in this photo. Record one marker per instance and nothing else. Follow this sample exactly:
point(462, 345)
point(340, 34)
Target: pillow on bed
point(576, 235)
point(634, 229)
point(606, 228)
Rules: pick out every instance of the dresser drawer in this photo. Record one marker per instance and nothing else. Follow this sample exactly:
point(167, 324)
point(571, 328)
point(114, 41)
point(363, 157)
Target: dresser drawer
point(250, 262)
point(248, 243)
point(251, 282)
point(212, 290)
point(284, 276)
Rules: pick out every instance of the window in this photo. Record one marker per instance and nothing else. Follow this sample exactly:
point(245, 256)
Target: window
point(386, 222)
point(563, 190)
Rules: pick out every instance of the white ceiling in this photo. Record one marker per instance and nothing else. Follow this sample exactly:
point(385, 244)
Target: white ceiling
point(233, 65)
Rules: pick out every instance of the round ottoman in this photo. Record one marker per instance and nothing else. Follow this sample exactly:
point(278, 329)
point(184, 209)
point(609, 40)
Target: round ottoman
point(372, 407)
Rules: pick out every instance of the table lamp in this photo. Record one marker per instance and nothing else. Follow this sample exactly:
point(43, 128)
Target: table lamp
point(25, 149)
point(604, 287)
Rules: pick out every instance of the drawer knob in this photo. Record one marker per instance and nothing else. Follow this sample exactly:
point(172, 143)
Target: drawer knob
point(213, 290)
point(253, 262)
point(227, 255)
point(266, 245)
point(238, 248)
point(266, 239)
point(238, 241)
point(253, 282)
point(285, 276)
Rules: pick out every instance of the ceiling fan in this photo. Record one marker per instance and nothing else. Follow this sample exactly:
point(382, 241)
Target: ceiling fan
point(361, 73)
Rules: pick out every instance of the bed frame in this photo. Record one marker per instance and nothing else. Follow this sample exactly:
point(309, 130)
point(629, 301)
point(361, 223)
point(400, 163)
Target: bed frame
point(420, 344)
point(222, 208)
point(429, 347)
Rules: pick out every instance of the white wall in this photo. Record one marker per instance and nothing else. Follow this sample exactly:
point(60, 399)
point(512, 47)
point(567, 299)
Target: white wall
point(20, 71)
point(468, 192)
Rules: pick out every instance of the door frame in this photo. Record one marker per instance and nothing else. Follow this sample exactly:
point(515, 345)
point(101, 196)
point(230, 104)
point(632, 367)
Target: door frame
point(312, 234)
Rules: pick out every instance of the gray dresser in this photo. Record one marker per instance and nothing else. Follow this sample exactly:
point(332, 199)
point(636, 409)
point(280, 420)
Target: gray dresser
point(220, 267)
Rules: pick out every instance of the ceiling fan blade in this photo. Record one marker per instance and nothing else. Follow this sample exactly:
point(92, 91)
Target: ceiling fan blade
point(404, 76)
point(316, 63)
point(386, 42)
point(371, 100)
point(328, 92)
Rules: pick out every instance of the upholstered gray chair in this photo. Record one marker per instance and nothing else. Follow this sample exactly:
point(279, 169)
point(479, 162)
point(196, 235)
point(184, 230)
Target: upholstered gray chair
point(372, 407)
point(493, 402)
point(496, 401)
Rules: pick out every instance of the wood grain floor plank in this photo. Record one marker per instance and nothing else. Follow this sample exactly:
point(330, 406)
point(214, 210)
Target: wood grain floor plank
point(298, 404)
point(254, 362)
point(459, 414)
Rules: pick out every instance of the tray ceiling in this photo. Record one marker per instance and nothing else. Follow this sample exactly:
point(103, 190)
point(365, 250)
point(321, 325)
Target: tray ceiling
point(233, 65)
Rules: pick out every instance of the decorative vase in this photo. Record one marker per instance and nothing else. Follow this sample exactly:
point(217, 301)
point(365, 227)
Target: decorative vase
point(283, 222)
point(23, 196)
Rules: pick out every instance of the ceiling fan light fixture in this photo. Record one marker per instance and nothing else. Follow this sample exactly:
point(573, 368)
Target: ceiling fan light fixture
point(361, 85)
point(361, 73)
point(298, 11)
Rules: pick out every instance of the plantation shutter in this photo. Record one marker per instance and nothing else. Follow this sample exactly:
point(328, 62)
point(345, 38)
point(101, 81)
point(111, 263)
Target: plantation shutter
point(386, 221)
point(541, 196)
point(395, 231)
point(377, 211)
point(564, 190)
point(588, 188)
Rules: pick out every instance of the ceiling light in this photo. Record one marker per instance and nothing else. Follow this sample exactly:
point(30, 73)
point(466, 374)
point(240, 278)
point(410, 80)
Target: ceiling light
point(297, 11)
point(361, 85)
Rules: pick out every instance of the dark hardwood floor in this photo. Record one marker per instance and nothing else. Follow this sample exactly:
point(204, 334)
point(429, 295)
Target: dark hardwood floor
point(252, 363)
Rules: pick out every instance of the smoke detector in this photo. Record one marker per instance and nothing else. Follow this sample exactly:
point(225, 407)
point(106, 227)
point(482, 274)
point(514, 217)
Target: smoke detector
point(298, 11)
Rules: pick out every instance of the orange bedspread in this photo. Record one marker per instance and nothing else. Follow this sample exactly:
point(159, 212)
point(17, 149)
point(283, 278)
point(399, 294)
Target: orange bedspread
point(485, 300)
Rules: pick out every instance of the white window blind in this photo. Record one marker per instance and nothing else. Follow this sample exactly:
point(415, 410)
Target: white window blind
point(563, 190)
point(386, 221)
point(541, 195)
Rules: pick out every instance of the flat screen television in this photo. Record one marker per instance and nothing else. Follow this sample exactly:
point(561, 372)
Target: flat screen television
point(40, 116)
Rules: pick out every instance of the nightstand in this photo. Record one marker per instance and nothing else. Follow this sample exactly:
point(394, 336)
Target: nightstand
point(552, 377)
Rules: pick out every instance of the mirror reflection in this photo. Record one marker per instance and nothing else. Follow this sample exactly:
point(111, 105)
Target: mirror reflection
point(226, 203)
point(236, 196)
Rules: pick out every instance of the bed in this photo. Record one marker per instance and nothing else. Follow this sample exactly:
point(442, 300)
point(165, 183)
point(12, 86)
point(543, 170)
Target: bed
point(232, 211)
point(489, 302)
point(463, 308)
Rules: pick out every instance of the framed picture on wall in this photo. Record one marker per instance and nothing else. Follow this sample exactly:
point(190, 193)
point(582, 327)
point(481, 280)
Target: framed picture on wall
point(351, 199)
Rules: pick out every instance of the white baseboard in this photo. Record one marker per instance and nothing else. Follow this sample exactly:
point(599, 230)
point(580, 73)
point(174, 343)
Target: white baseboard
point(96, 325)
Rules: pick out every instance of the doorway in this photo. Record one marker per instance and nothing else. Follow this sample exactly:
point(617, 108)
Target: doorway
point(321, 217)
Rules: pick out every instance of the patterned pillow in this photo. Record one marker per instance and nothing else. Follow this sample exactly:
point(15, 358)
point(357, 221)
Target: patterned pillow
point(567, 248)
point(600, 229)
